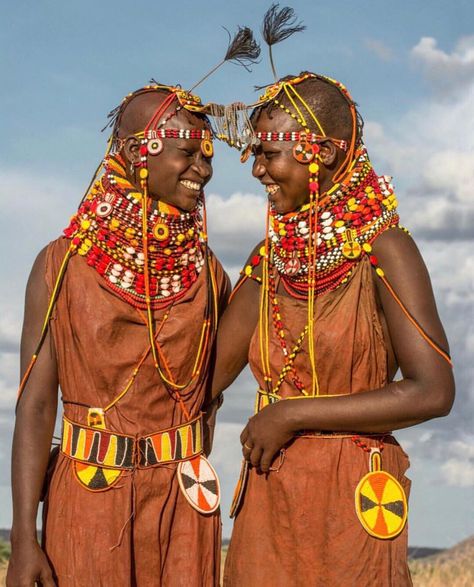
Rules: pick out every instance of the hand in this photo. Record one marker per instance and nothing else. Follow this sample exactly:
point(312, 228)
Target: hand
point(28, 565)
point(265, 434)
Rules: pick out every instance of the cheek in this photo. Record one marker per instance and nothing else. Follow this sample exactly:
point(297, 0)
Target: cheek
point(165, 170)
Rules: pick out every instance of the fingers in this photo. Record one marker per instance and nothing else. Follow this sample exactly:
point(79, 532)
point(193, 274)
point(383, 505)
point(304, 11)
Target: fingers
point(255, 456)
point(266, 461)
point(46, 579)
point(244, 435)
point(247, 450)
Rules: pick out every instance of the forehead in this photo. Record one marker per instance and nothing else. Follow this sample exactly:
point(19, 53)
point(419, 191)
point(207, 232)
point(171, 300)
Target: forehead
point(185, 119)
point(276, 121)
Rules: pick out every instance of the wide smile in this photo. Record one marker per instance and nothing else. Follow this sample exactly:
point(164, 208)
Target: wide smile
point(193, 186)
point(271, 189)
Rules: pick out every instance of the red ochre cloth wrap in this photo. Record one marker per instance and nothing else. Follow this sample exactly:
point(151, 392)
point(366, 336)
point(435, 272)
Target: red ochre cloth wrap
point(298, 526)
point(158, 538)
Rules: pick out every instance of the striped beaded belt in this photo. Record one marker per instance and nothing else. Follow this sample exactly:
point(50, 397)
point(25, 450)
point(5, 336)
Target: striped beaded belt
point(105, 448)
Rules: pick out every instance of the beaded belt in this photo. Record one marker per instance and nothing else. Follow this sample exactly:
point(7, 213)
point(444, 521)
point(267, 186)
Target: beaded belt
point(105, 448)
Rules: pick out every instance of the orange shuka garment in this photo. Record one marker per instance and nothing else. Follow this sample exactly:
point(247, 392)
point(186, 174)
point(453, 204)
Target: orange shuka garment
point(298, 527)
point(140, 532)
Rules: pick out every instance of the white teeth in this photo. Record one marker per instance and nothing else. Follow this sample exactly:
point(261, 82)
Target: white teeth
point(191, 185)
point(272, 188)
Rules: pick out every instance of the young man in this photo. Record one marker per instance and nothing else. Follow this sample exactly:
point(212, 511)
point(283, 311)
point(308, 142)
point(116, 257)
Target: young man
point(131, 295)
point(330, 305)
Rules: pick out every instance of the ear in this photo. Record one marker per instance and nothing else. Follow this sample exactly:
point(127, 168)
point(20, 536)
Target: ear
point(327, 153)
point(131, 149)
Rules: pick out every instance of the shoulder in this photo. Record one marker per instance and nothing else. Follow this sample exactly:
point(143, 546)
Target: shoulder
point(394, 242)
point(398, 256)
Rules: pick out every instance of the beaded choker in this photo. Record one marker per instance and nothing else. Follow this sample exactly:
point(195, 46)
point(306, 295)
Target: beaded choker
point(351, 216)
point(108, 232)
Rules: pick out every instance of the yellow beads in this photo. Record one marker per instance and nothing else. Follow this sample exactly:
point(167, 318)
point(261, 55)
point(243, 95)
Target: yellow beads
point(313, 168)
point(380, 272)
point(367, 247)
point(143, 173)
point(85, 224)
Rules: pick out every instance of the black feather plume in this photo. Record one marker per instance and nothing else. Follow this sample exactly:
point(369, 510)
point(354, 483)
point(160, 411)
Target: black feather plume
point(242, 49)
point(278, 25)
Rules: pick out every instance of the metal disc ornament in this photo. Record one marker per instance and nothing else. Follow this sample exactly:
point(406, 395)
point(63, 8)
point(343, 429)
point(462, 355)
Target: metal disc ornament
point(380, 502)
point(200, 484)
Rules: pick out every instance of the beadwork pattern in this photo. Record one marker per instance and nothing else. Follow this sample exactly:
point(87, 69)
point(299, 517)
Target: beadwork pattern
point(349, 219)
point(108, 231)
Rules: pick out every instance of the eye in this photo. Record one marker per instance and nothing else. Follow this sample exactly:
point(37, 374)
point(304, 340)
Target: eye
point(187, 152)
point(270, 154)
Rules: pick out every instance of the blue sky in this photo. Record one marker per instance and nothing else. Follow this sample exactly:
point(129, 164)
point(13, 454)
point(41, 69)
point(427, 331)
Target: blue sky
point(409, 65)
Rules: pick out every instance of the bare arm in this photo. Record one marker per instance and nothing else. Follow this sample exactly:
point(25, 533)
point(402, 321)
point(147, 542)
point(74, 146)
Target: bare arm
point(36, 414)
point(234, 334)
point(426, 390)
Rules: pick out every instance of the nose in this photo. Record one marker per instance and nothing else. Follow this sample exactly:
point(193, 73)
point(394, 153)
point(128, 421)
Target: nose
point(258, 167)
point(202, 165)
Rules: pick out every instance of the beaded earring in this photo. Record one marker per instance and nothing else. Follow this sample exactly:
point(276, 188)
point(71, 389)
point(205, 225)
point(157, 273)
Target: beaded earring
point(304, 151)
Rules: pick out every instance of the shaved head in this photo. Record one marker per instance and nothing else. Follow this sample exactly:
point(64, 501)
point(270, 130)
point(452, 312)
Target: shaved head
point(329, 105)
point(139, 110)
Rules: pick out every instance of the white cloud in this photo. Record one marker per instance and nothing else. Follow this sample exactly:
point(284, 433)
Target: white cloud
point(236, 224)
point(379, 48)
point(458, 472)
point(430, 151)
point(447, 71)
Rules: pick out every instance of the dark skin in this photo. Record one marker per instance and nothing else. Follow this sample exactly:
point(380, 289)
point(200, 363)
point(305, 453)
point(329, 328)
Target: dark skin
point(180, 160)
point(427, 388)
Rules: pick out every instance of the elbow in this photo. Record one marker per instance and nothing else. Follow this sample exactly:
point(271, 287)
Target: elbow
point(441, 401)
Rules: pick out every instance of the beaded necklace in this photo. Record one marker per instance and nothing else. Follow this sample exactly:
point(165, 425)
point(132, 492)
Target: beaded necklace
point(111, 240)
point(348, 219)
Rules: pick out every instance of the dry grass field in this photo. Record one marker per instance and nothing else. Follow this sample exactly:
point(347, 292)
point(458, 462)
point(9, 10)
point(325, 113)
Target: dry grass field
point(451, 568)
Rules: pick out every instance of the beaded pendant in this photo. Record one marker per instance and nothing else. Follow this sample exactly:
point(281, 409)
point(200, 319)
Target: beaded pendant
point(380, 501)
point(199, 484)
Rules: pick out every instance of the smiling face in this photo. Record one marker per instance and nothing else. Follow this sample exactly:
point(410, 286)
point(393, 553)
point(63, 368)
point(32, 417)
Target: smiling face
point(178, 174)
point(285, 180)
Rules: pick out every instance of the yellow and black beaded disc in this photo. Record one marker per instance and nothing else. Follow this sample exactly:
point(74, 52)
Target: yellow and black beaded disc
point(381, 505)
point(207, 148)
point(351, 250)
point(96, 478)
point(160, 231)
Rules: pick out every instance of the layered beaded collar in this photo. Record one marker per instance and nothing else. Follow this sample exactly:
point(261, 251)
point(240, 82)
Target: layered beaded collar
point(107, 230)
point(349, 218)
